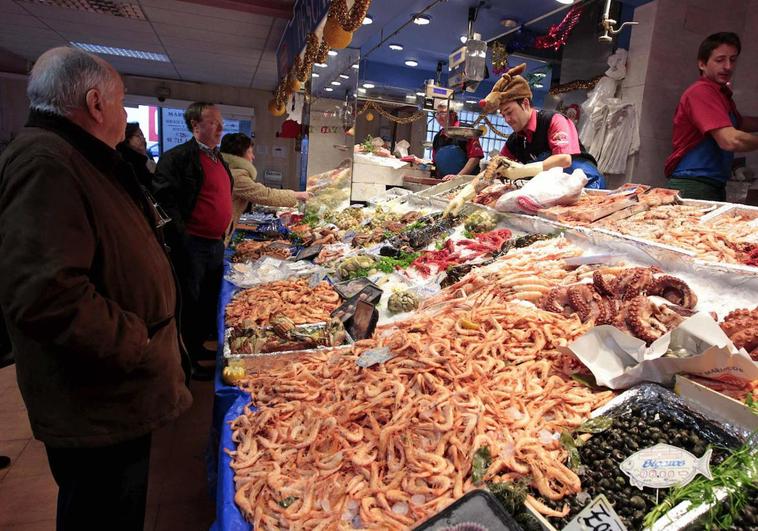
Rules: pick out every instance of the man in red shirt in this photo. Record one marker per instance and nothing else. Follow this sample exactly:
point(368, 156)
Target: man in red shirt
point(454, 157)
point(707, 127)
point(193, 184)
point(541, 140)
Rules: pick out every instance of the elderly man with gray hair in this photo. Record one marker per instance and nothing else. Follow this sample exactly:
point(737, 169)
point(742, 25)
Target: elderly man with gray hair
point(88, 294)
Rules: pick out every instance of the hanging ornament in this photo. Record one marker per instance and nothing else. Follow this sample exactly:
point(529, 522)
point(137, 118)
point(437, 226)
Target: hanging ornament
point(294, 84)
point(558, 34)
point(499, 59)
point(369, 116)
point(349, 20)
point(276, 109)
point(334, 35)
point(580, 84)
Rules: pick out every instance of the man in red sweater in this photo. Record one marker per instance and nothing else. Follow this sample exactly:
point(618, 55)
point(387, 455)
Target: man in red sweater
point(193, 184)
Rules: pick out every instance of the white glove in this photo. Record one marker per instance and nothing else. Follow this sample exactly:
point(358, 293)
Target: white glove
point(456, 204)
point(521, 171)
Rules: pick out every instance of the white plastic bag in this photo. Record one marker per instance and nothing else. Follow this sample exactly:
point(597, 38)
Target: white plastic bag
point(546, 189)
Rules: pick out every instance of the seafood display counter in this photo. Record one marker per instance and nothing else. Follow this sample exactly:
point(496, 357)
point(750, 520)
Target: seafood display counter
point(396, 362)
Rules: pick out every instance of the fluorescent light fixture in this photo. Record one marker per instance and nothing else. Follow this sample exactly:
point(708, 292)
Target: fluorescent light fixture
point(540, 75)
point(122, 52)
point(411, 62)
point(361, 90)
point(368, 19)
point(395, 47)
point(314, 74)
point(336, 83)
point(464, 38)
point(565, 1)
point(420, 94)
point(344, 76)
point(538, 85)
point(422, 20)
point(368, 85)
point(332, 52)
point(472, 101)
point(320, 65)
point(328, 89)
point(356, 66)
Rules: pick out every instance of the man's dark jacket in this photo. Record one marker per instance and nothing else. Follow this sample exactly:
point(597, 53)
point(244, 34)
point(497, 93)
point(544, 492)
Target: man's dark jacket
point(86, 289)
point(177, 183)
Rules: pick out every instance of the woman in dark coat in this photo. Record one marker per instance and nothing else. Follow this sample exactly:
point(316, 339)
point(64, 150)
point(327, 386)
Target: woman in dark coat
point(134, 151)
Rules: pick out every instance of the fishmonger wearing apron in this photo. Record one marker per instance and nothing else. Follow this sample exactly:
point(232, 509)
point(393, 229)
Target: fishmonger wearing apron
point(454, 157)
point(707, 127)
point(541, 140)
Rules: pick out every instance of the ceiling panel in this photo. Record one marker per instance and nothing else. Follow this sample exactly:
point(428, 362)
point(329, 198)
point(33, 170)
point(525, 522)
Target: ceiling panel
point(74, 15)
point(204, 11)
point(214, 48)
point(20, 20)
point(9, 6)
point(237, 25)
point(250, 40)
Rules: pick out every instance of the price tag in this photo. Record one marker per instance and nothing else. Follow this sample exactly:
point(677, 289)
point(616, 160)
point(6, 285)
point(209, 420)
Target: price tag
point(597, 516)
point(373, 356)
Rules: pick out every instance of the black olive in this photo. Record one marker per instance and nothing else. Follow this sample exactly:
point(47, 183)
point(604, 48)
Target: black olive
point(637, 502)
point(638, 515)
point(620, 482)
point(605, 484)
point(618, 456)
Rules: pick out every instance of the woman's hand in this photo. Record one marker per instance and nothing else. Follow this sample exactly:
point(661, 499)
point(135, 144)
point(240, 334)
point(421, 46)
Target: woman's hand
point(450, 177)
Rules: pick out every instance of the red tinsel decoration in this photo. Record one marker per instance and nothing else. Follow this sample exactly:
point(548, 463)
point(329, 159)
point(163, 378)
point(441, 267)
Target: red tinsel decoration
point(557, 35)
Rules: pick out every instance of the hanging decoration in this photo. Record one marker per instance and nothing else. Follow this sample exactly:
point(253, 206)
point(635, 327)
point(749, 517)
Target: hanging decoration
point(499, 59)
point(536, 77)
point(337, 33)
point(373, 106)
point(558, 34)
point(580, 84)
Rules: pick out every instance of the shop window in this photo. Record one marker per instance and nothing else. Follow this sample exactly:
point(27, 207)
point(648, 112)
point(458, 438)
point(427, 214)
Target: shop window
point(489, 141)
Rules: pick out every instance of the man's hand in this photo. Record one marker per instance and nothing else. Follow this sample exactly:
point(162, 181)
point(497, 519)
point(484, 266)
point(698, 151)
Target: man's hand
point(303, 196)
point(517, 170)
point(450, 176)
point(459, 200)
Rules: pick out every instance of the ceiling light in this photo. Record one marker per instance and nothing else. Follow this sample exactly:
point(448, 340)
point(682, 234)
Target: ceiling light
point(411, 62)
point(332, 52)
point(396, 47)
point(509, 23)
point(321, 65)
point(314, 74)
point(122, 52)
point(538, 85)
point(420, 94)
point(328, 89)
point(422, 20)
point(367, 20)
point(344, 76)
point(471, 101)
point(565, 1)
point(464, 38)
point(336, 83)
point(361, 90)
point(368, 85)
point(356, 66)
point(540, 75)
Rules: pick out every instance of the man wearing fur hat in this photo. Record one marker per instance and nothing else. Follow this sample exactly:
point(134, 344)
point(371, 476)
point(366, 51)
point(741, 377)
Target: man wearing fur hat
point(541, 139)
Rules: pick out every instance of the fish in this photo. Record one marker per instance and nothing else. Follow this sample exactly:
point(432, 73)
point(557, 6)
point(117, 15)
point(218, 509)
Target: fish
point(663, 466)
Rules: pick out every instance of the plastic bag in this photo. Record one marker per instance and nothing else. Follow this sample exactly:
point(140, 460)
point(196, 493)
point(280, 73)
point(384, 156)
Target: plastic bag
point(546, 189)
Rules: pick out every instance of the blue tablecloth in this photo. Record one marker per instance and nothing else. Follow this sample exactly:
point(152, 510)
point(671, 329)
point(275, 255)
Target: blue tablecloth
point(227, 405)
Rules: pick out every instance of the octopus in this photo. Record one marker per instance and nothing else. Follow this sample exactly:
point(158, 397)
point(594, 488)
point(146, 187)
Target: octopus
point(742, 328)
point(648, 321)
point(674, 290)
point(620, 298)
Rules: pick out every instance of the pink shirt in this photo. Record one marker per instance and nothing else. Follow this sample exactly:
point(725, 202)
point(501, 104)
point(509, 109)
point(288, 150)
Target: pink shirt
point(704, 107)
point(562, 136)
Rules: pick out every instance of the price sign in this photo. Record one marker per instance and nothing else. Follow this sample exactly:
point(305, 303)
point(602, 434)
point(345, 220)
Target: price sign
point(597, 516)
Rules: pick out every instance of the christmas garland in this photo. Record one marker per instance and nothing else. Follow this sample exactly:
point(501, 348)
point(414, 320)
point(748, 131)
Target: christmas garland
point(557, 35)
point(337, 33)
point(580, 84)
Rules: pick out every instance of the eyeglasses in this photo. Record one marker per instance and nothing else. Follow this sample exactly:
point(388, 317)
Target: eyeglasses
point(162, 218)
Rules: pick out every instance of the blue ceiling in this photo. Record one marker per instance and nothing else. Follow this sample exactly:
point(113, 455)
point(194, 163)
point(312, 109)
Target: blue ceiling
point(435, 41)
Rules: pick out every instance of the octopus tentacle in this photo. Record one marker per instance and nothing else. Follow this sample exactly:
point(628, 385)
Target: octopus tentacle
point(674, 290)
point(602, 284)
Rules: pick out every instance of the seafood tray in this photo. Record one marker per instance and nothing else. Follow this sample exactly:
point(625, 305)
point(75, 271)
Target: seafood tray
point(350, 288)
point(643, 417)
point(438, 190)
point(305, 329)
point(478, 508)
